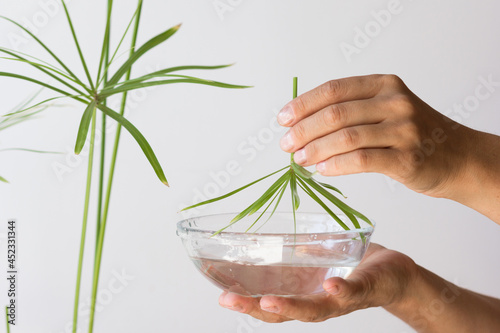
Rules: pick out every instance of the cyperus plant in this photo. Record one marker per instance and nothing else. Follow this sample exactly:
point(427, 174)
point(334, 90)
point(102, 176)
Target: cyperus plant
point(295, 176)
point(93, 93)
point(18, 115)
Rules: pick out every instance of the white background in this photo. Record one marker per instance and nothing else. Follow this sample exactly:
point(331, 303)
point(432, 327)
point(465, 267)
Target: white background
point(440, 49)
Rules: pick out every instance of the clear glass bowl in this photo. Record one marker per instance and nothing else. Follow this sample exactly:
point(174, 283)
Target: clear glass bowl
point(274, 260)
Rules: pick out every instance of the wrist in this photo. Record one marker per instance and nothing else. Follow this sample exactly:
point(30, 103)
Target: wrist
point(424, 303)
point(478, 183)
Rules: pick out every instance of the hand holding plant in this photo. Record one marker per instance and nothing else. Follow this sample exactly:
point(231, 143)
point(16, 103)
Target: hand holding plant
point(295, 177)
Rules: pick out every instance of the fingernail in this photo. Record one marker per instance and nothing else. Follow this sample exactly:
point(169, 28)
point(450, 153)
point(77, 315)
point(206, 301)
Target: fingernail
point(238, 308)
point(268, 305)
point(333, 290)
point(286, 142)
point(299, 156)
point(321, 166)
point(285, 117)
point(272, 309)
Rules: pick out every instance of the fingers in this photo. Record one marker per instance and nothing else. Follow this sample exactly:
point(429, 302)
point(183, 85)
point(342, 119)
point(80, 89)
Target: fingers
point(307, 309)
point(381, 160)
point(250, 306)
point(347, 288)
point(331, 92)
point(344, 141)
point(333, 118)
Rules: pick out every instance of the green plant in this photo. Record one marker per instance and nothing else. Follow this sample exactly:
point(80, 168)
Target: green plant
point(19, 114)
point(294, 176)
point(93, 93)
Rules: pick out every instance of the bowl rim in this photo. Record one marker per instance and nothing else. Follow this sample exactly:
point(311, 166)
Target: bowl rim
point(241, 234)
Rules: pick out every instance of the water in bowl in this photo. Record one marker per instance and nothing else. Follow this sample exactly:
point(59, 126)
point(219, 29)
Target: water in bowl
point(280, 279)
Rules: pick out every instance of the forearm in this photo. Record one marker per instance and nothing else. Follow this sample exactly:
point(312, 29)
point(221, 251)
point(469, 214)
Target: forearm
point(435, 305)
point(478, 186)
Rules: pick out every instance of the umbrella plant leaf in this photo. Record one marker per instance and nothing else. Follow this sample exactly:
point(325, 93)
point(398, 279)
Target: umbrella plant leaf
point(161, 73)
point(83, 130)
point(337, 202)
point(232, 192)
point(155, 41)
point(42, 45)
point(310, 192)
point(139, 138)
point(128, 87)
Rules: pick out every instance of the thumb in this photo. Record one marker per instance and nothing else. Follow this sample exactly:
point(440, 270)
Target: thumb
point(354, 288)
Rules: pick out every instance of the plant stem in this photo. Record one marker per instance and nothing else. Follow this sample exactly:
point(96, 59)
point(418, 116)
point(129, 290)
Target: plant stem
point(84, 224)
point(100, 241)
point(104, 62)
point(7, 319)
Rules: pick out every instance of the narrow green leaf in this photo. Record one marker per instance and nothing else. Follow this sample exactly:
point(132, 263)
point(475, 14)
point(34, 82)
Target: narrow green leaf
point(313, 195)
point(133, 86)
point(295, 194)
point(105, 42)
point(267, 207)
point(163, 72)
point(48, 70)
point(137, 11)
point(143, 143)
point(158, 39)
point(233, 192)
point(42, 45)
point(328, 186)
point(46, 85)
point(32, 150)
point(25, 102)
point(272, 197)
point(337, 202)
point(3, 180)
point(301, 171)
point(275, 206)
point(39, 107)
point(83, 130)
point(269, 193)
point(259, 202)
point(355, 223)
point(75, 39)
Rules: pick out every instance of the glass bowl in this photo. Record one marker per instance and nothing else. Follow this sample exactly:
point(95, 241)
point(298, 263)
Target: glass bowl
point(274, 260)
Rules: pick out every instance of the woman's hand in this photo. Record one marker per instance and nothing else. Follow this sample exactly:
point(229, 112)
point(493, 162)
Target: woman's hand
point(376, 124)
point(383, 278)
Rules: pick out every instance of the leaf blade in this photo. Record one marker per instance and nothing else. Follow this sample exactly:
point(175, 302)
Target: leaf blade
point(232, 192)
point(128, 87)
point(139, 138)
point(335, 200)
point(309, 191)
point(83, 129)
point(157, 40)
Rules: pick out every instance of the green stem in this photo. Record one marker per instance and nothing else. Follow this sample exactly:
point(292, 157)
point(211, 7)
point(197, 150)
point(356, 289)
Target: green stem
point(100, 241)
point(7, 319)
point(105, 60)
point(295, 85)
point(84, 224)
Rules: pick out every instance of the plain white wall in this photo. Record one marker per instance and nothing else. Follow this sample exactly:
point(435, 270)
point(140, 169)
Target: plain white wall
point(440, 48)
